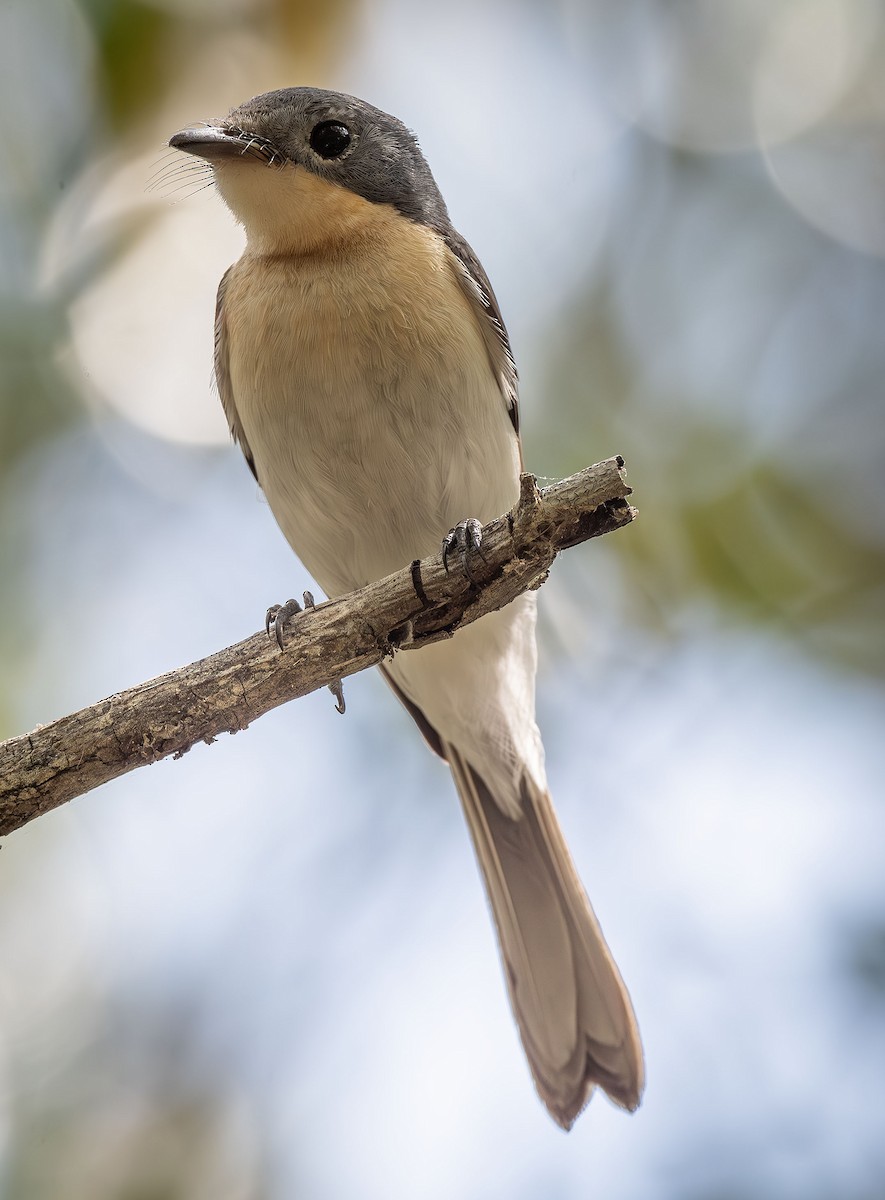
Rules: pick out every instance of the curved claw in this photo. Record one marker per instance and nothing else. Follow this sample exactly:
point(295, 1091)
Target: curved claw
point(337, 690)
point(473, 529)
point(277, 616)
point(466, 536)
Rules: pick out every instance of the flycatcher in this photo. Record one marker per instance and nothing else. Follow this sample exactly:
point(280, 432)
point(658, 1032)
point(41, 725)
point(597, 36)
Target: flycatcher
point(367, 376)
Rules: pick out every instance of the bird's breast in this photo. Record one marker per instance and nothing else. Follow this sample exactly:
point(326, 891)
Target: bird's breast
point(365, 392)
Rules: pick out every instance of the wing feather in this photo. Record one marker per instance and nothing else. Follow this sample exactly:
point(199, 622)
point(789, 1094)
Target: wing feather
point(222, 375)
point(476, 287)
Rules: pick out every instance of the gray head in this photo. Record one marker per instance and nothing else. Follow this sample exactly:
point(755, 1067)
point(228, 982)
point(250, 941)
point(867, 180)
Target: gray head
point(307, 136)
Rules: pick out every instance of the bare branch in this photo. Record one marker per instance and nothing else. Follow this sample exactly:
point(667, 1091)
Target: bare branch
point(226, 691)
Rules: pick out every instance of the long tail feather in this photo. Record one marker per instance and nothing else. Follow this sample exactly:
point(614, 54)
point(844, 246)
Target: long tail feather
point(574, 1014)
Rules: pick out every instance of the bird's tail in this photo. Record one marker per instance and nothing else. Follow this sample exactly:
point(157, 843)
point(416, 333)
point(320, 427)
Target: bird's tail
point(573, 1011)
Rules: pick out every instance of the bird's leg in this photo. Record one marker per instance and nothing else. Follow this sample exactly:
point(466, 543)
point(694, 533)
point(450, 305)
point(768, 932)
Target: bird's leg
point(279, 615)
point(466, 536)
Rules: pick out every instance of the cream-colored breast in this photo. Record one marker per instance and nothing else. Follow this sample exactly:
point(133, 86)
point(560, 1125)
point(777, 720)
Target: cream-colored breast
point(365, 392)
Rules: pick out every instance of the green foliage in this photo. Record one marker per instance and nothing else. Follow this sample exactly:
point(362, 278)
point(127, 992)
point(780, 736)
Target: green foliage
point(133, 67)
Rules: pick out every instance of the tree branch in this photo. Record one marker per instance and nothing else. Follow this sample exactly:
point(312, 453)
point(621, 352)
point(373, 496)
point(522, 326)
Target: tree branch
point(224, 692)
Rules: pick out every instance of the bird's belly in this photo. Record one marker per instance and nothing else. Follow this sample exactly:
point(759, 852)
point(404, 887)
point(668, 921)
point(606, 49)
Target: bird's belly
point(360, 490)
point(367, 398)
point(371, 443)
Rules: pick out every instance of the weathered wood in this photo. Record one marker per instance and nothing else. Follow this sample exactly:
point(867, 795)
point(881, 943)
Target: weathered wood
point(226, 691)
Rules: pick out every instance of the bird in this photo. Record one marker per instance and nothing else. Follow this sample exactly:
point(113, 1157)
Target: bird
point(367, 376)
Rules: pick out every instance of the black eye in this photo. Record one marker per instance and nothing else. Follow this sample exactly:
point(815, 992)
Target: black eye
point(329, 139)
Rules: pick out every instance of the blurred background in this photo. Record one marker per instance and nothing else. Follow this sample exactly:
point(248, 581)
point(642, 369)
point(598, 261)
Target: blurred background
point(266, 970)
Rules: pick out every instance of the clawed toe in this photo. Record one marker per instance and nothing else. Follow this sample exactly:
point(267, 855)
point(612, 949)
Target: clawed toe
point(337, 690)
point(465, 537)
point(279, 615)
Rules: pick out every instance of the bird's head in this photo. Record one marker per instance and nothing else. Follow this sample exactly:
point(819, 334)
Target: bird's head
point(303, 168)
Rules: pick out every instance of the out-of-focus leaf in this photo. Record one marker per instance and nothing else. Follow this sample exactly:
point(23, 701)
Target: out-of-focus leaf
point(774, 548)
point(135, 1115)
point(131, 37)
point(34, 398)
point(769, 528)
point(312, 31)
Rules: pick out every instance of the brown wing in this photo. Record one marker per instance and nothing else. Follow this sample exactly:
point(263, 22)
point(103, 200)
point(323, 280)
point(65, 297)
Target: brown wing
point(222, 375)
point(476, 287)
point(431, 737)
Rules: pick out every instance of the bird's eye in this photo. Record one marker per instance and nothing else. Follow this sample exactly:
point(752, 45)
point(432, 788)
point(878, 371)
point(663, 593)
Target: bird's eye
point(329, 139)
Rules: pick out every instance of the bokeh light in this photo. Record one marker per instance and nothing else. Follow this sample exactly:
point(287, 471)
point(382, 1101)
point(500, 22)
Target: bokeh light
point(266, 970)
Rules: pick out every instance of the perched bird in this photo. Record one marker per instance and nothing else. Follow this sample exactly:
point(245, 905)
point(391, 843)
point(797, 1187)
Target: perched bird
point(367, 376)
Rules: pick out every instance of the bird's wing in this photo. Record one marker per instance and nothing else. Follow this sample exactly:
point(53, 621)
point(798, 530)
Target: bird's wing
point(430, 735)
point(476, 287)
point(222, 375)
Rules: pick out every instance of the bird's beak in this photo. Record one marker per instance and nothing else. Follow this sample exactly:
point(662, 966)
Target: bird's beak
point(215, 143)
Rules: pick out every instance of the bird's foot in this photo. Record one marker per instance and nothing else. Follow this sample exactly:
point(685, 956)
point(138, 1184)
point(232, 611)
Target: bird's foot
point(279, 615)
point(464, 538)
